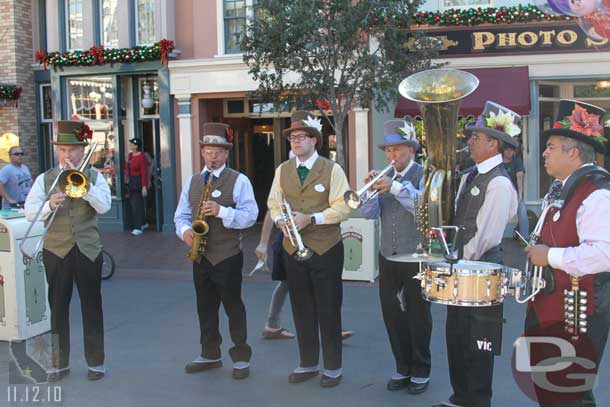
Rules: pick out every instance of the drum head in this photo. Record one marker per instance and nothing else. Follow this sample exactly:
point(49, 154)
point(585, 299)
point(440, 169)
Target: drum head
point(465, 267)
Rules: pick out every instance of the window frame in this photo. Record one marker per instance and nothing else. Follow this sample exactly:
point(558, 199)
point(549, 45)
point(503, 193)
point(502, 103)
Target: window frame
point(136, 20)
point(101, 25)
point(67, 25)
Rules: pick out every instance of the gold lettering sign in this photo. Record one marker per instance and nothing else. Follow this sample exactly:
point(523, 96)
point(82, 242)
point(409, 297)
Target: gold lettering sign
point(527, 39)
point(482, 40)
point(567, 37)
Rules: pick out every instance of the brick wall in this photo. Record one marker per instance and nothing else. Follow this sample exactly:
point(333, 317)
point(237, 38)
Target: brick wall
point(16, 57)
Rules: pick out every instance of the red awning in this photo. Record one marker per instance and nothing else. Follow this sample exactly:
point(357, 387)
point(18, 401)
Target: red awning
point(506, 86)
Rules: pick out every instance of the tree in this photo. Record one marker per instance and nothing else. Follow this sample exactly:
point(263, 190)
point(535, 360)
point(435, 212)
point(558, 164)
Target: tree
point(334, 53)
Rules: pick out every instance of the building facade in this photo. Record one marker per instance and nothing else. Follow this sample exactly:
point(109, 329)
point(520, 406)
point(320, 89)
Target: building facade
point(119, 98)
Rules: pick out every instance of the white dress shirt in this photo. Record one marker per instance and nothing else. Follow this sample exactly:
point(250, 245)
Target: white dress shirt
point(98, 197)
point(242, 216)
point(499, 207)
point(592, 255)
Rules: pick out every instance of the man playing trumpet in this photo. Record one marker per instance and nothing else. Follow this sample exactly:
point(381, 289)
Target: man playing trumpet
point(217, 272)
point(313, 186)
point(72, 250)
point(409, 330)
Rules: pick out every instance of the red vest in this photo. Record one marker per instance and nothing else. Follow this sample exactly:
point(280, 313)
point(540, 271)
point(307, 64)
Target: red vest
point(563, 233)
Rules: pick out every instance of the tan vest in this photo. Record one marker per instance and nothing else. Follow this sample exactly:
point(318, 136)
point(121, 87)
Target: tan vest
point(306, 199)
point(75, 223)
point(222, 242)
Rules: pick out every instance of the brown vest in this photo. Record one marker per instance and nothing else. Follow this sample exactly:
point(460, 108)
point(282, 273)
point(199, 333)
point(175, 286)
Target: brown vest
point(306, 199)
point(75, 223)
point(222, 242)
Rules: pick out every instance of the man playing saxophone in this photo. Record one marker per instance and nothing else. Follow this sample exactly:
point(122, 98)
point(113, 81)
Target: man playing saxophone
point(313, 186)
point(217, 267)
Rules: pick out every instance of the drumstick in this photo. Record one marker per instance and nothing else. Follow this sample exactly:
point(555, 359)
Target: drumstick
point(521, 238)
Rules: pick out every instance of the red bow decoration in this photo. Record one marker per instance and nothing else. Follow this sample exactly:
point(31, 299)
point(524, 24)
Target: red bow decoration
point(41, 57)
point(84, 133)
point(165, 47)
point(98, 54)
point(323, 104)
point(1, 280)
point(229, 134)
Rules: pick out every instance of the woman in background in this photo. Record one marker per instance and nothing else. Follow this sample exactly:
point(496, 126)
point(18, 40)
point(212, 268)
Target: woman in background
point(136, 169)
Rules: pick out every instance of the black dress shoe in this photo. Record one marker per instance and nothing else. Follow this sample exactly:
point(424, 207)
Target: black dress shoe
point(93, 375)
point(194, 367)
point(57, 376)
point(301, 377)
point(398, 384)
point(327, 381)
point(239, 374)
point(417, 388)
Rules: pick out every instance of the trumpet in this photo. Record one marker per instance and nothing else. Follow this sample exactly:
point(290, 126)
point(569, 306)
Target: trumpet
point(72, 182)
point(354, 199)
point(302, 253)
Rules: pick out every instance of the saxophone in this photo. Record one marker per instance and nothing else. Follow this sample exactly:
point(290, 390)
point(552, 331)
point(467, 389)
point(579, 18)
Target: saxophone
point(200, 226)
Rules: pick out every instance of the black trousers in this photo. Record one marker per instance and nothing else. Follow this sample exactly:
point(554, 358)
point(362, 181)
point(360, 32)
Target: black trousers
point(136, 203)
point(316, 295)
point(409, 331)
point(215, 285)
point(468, 331)
point(61, 275)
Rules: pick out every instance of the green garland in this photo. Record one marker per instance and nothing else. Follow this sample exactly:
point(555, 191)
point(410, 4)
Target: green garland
point(10, 92)
point(100, 55)
point(477, 16)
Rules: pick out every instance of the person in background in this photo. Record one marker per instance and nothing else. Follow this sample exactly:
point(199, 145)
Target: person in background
point(136, 170)
point(15, 180)
point(516, 172)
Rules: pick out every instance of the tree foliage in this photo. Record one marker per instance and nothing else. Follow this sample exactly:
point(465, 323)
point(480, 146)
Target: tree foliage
point(348, 53)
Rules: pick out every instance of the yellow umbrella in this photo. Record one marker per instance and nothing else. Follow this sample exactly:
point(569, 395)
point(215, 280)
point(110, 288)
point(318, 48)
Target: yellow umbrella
point(7, 140)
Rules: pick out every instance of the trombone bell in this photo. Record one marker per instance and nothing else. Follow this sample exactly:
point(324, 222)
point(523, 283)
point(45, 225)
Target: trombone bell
point(74, 183)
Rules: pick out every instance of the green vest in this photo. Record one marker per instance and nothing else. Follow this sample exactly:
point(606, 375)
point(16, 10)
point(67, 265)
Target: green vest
point(75, 223)
point(310, 198)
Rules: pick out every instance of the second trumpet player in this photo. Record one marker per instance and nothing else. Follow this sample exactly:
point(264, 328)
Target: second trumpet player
point(313, 186)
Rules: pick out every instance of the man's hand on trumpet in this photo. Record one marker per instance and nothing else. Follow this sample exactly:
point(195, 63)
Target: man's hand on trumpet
point(301, 220)
point(383, 185)
point(538, 255)
point(56, 200)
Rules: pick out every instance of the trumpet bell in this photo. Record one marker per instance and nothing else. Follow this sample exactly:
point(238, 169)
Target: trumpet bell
point(74, 183)
point(200, 227)
point(352, 199)
point(304, 254)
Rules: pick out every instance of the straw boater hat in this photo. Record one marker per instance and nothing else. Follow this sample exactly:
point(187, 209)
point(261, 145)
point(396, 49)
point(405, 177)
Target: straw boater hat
point(217, 134)
point(399, 131)
point(497, 122)
point(303, 120)
point(73, 132)
point(580, 121)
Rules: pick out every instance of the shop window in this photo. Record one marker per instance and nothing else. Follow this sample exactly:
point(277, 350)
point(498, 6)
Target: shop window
point(74, 24)
point(146, 22)
point(90, 100)
point(46, 124)
point(234, 24)
point(149, 98)
point(446, 4)
point(110, 23)
point(600, 89)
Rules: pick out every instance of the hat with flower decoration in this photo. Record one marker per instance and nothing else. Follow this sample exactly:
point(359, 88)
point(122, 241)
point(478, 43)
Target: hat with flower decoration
point(399, 131)
point(498, 122)
point(73, 132)
point(580, 121)
point(217, 134)
point(303, 120)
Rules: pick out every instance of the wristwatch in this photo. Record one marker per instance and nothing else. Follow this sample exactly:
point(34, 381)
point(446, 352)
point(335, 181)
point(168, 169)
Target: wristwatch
point(313, 219)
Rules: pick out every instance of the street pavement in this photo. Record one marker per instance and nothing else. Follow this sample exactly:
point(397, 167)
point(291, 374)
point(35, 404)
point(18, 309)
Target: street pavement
point(151, 332)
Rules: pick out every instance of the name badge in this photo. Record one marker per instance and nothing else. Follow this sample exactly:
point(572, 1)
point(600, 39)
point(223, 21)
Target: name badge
point(216, 193)
point(475, 191)
point(556, 216)
point(319, 188)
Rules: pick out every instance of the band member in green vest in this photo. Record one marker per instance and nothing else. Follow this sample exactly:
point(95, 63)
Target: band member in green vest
point(72, 250)
point(228, 207)
point(313, 186)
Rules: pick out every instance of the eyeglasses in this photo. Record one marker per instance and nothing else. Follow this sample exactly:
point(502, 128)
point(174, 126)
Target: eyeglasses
point(475, 137)
point(20, 154)
point(298, 137)
point(214, 153)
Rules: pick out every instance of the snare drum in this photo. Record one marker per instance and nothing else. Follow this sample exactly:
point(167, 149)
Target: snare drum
point(471, 284)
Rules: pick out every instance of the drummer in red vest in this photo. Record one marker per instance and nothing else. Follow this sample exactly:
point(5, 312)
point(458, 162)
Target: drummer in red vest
point(575, 245)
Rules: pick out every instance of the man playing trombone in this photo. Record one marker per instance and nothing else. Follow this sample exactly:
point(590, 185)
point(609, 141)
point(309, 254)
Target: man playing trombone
point(313, 187)
point(409, 330)
point(72, 249)
point(218, 261)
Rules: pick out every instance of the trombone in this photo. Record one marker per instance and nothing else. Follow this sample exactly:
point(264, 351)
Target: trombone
point(72, 182)
point(303, 253)
point(354, 199)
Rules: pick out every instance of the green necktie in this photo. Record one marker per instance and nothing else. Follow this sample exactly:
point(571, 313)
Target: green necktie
point(303, 171)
